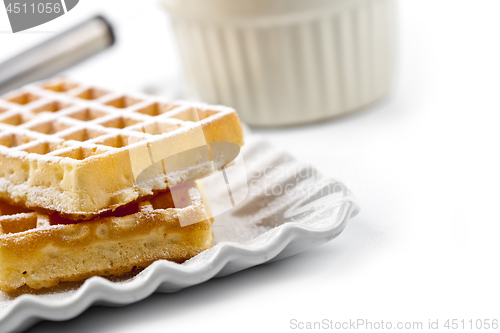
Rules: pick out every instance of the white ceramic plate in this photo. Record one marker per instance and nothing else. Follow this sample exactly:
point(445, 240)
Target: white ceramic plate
point(290, 208)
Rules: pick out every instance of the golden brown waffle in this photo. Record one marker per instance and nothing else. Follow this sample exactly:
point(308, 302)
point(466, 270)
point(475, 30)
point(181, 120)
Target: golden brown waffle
point(41, 250)
point(78, 150)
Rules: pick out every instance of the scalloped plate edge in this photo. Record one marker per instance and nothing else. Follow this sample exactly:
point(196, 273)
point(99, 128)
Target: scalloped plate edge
point(163, 276)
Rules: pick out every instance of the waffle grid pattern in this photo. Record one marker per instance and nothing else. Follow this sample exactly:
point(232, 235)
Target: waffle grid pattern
point(62, 118)
point(79, 150)
point(15, 220)
point(41, 250)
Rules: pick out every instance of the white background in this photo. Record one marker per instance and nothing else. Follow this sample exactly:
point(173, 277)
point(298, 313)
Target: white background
point(424, 164)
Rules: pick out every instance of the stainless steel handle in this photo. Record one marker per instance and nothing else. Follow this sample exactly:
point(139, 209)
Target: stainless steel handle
point(56, 54)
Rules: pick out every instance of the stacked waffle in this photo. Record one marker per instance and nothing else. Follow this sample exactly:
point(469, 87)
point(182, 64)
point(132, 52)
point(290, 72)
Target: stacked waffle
point(97, 183)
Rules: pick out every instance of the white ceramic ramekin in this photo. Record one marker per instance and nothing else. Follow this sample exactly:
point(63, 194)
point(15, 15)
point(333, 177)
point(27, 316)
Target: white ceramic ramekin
point(283, 62)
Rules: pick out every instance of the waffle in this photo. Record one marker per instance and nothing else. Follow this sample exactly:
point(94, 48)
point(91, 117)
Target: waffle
point(41, 250)
point(80, 151)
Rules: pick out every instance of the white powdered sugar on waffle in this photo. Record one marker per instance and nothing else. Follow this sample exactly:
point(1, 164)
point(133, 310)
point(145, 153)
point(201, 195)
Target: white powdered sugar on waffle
point(78, 149)
point(42, 250)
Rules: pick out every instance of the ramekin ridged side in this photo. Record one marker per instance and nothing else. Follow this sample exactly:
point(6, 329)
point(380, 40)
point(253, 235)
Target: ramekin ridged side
point(280, 65)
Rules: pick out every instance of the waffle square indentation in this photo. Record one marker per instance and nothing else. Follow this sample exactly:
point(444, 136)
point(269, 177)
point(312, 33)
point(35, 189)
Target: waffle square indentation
point(81, 153)
point(123, 102)
point(84, 134)
point(120, 122)
point(43, 148)
point(14, 139)
point(49, 127)
point(118, 141)
point(194, 114)
point(16, 119)
point(157, 109)
point(60, 86)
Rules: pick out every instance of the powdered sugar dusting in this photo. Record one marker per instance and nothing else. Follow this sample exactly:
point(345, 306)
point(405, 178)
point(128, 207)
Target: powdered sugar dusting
point(311, 201)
